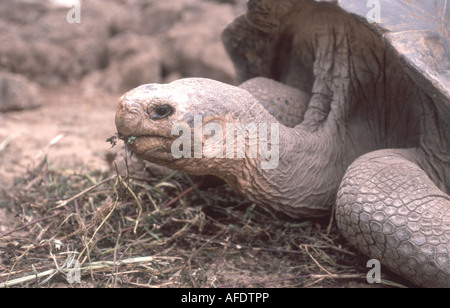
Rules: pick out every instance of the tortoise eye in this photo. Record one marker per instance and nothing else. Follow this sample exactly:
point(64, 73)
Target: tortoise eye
point(160, 112)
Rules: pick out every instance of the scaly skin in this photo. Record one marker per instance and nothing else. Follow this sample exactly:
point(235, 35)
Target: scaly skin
point(389, 208)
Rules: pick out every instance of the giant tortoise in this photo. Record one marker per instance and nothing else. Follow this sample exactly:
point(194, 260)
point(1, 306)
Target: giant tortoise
point(353, 104)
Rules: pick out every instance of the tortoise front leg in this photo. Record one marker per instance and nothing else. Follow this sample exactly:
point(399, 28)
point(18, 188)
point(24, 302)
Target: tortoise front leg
point(388, 208)
point(285, 103)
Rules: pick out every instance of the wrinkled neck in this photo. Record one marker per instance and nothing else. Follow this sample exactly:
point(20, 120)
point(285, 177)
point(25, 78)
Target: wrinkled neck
point(303, 183)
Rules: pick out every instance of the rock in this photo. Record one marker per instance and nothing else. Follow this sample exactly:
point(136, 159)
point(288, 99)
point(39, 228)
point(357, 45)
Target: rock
point(134, 59)
point(17, 93)
point(160, 16)
point(193, 45)
point(175, 38)
point(118, 44)
point(46, 48)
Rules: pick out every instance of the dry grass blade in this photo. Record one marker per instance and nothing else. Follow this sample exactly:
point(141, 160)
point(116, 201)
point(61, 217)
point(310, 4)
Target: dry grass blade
point(8, 140)
point(99, 265)
point(62, 203)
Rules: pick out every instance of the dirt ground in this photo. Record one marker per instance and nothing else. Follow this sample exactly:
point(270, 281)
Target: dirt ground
point(70, 129)
point(139, 232)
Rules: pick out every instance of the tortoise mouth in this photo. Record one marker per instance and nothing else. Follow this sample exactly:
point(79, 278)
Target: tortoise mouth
point(154, 148)
point(148, 146)
point(130, 139)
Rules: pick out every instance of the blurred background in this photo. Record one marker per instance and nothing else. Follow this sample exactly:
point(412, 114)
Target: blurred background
point(118, 44)
point(60, 80)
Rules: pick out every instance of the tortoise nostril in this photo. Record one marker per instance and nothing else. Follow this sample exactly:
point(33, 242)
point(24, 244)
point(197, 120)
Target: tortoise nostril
point(129, 106)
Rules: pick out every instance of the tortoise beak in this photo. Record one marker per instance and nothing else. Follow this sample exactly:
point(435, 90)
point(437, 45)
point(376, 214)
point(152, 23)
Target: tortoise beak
point(129, 116)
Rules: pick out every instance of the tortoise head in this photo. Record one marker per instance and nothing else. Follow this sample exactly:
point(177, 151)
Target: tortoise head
point(183, 124)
